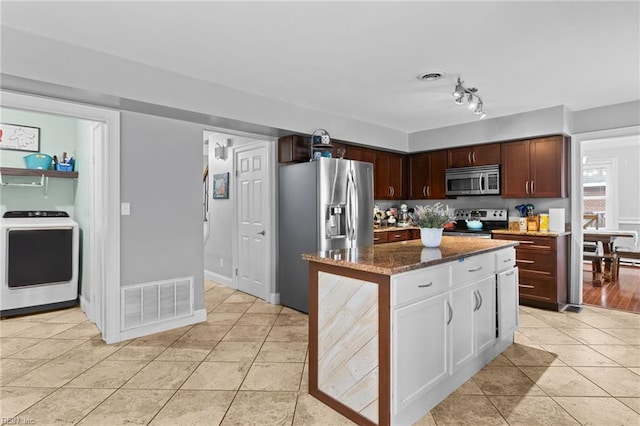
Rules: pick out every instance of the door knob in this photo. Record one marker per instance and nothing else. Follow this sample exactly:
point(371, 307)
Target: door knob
point(261, 232)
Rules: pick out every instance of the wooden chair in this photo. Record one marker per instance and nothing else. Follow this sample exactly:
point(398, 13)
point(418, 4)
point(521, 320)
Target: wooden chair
point(627, 253)
point(593, 252)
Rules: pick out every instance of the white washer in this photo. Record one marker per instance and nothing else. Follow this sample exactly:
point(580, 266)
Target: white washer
point(39, 265)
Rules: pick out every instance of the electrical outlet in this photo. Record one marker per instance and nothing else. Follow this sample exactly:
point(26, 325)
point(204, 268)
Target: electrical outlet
point(125, 209)
point(221, 263)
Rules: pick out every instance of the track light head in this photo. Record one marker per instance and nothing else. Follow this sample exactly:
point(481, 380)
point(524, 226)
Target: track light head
point(459, 90)
point(474, 102)
point(471, 101)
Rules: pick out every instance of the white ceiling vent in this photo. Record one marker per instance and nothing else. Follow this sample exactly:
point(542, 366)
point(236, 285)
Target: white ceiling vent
point(432, 75)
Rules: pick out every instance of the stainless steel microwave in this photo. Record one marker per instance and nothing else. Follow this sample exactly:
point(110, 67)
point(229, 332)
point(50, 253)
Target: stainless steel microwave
point(483, 180)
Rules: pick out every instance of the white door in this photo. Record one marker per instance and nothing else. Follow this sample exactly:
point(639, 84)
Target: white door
point(252, 189)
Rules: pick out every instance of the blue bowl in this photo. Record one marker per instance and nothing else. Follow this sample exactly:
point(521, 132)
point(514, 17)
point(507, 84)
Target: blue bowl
point(38, 161)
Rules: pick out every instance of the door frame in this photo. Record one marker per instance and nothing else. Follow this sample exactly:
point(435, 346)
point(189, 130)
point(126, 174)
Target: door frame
point(271, 295)
point(105, 208)
point(575, 289)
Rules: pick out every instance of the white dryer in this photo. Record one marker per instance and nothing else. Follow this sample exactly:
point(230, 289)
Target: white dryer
point(39, 265)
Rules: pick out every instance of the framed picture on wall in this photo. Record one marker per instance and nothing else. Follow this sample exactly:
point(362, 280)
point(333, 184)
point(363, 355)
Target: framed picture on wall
point(19, 138)
point(220, 186)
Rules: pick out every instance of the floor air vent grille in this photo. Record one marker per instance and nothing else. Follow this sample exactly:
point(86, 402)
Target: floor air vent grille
point(150, 303)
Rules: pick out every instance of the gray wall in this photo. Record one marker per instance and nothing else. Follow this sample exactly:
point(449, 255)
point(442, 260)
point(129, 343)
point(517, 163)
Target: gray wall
point(218, 248)
point(44, 60)
point(161, 176)
point(548, 121)
point(606, 117)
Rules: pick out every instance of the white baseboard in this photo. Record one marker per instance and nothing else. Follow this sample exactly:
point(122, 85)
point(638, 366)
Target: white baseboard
point(199, 315)
point(87, 308)
point(273, 298)
point(220, 279)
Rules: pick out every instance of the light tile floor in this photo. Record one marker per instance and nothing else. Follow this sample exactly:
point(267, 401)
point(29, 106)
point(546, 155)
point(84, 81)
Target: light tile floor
point(247, 365)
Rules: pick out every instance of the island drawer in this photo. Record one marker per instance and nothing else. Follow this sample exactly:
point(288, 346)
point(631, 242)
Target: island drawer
point(505, 259)
point(415, 285)
point(472, 268)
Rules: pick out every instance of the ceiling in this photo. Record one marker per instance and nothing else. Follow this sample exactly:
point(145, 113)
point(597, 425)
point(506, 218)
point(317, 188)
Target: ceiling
point(360, 59)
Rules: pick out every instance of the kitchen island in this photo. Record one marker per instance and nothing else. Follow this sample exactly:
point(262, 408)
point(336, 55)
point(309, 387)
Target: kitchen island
point(395, 328)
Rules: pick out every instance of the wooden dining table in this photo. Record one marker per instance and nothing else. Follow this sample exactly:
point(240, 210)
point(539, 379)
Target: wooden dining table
point(607, 237)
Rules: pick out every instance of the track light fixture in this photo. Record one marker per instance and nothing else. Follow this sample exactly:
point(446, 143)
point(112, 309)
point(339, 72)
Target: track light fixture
point(462, 93)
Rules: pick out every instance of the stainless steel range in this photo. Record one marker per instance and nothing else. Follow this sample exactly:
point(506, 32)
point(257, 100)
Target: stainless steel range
point(490, 219)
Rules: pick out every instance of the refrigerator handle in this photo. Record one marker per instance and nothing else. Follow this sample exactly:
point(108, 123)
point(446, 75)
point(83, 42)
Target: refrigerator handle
point(354, 202)
point(351, 211)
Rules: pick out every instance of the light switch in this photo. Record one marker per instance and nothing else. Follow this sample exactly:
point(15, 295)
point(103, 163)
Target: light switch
point(125, 209)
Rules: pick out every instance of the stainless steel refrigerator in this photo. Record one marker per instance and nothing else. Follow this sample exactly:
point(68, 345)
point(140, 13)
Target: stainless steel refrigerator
point(324, 204)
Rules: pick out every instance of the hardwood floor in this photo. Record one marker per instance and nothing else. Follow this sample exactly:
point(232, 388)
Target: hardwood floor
point(623, 294)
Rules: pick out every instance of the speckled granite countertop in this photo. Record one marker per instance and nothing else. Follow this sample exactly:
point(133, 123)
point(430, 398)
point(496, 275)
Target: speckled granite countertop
point(393, 228)
point(530, 233)
point(393, 258)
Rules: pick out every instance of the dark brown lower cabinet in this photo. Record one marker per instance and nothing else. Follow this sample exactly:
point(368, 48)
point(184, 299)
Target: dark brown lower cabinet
point(542, 266)
point(395, 234)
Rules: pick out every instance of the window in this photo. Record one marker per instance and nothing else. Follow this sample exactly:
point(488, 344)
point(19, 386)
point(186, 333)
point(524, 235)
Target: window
point(598, 194)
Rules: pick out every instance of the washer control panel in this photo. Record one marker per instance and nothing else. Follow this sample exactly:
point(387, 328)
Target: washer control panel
point(16, 214)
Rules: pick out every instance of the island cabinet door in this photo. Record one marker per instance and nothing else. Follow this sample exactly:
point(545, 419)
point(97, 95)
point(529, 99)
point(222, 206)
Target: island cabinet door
point(473, 327)
point(419, 349)
point(485, 314)
point(463, 303)
point(507, 302)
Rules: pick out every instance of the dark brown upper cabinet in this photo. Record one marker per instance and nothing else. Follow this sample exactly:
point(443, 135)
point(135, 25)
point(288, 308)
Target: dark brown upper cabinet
point(477, 155)
point(535, 168)
point(426, 175)
point(388, 174)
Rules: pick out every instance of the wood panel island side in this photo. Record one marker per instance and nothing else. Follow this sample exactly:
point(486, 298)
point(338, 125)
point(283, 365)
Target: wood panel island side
point(395, 328)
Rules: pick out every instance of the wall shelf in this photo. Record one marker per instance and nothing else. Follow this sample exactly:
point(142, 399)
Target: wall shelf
point(41, 175)
point(14, 171)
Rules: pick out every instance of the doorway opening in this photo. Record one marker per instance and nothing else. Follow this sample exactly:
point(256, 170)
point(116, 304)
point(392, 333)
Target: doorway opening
point(241, 185)
point(94, 198)
point(607, 205)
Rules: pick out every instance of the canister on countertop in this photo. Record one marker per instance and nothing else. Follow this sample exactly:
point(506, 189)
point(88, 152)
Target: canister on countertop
point(544, 222)
point(556, 220)
point(523, 223)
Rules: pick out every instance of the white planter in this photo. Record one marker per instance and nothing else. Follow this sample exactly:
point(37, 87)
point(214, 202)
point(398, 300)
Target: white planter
point(431, 237)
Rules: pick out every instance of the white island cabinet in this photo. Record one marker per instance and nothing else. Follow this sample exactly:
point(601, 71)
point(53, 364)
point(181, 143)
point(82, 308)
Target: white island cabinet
point(387, 346)
point(435, 336)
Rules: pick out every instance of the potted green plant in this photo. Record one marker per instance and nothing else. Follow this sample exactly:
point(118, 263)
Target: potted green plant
point(431, 220)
